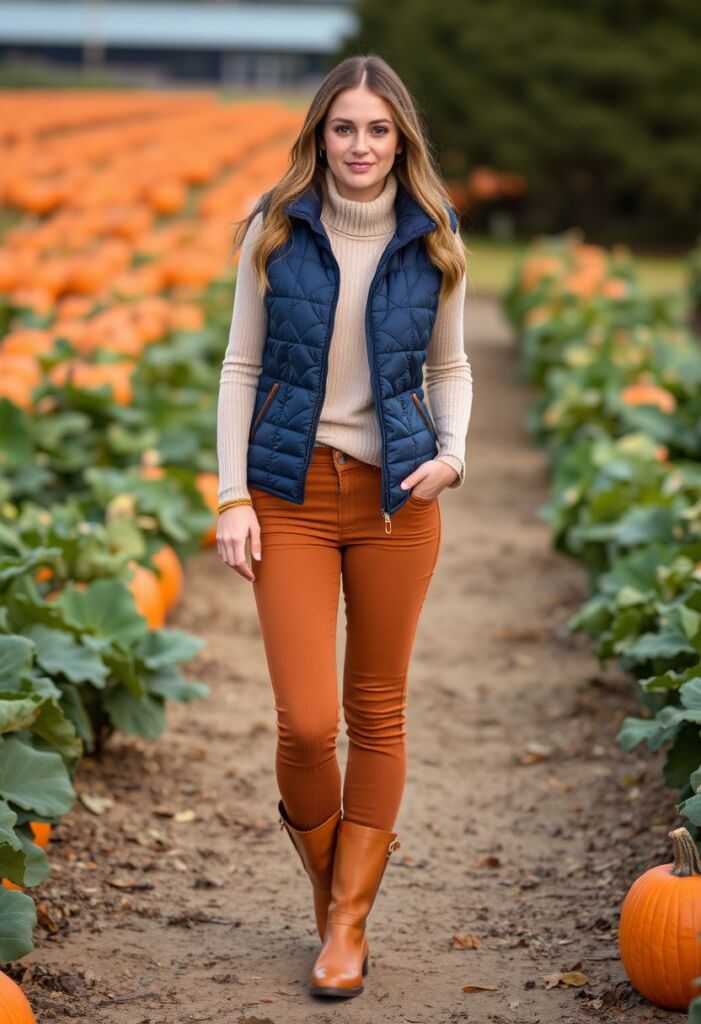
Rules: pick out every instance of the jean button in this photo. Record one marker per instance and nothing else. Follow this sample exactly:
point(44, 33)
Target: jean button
point(341, 458)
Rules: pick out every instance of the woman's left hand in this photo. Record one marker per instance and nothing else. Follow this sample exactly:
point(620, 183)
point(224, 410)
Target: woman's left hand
point(433, 475)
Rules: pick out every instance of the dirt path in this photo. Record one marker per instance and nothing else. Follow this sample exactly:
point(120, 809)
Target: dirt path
point(522, 822)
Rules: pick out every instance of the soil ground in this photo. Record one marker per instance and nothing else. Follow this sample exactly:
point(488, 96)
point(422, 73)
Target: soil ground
point(522, 826)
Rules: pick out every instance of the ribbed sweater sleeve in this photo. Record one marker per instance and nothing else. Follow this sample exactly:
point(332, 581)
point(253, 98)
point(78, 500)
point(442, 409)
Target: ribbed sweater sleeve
point(448, 381)
point(243, 361)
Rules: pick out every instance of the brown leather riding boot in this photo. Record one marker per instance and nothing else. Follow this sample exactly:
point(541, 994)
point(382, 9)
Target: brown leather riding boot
point(362, 854)
point(315, 847)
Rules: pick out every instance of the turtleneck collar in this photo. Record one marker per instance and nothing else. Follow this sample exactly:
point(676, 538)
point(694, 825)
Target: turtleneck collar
point(351, 217)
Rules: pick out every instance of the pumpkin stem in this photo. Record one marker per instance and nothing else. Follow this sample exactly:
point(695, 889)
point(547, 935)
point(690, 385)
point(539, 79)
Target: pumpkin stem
point(686, 855)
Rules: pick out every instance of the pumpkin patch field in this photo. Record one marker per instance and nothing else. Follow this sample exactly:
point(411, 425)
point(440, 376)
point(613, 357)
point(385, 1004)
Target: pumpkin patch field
point(553, 694)
point(113, 268)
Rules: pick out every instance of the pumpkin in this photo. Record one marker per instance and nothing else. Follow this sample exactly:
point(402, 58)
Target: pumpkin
point(536, 268)
point(186, 316)
point(146, 588)
point(28, 341)
point(41, 831)
point(649, 394)
point(171, 573)
point(208, 486)
point(14, 1006)
point(95, 375)
point(18, 391)
point(614, 288)
point(660, 922)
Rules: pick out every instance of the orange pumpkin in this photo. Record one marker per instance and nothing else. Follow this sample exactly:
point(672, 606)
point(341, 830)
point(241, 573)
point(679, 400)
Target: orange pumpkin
point(168, 565)
point(18, 391)
point(32, 341)
point(649, 394)
point(614, 288)
point(26, 368)
point(536, 268)
point(146, 588)
point(14, 1005)
point(52, 595)
point(186, 316)
point(659, 927)
point(41, 831)
point(208, 486)
point(95, 375)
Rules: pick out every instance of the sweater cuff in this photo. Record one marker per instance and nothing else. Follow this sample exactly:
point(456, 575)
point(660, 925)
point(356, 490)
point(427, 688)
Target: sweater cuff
point(457, 464)
point(232, 493)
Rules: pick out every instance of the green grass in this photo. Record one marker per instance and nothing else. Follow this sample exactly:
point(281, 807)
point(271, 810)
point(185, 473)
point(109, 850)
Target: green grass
point(36, 75)
point(490, 265)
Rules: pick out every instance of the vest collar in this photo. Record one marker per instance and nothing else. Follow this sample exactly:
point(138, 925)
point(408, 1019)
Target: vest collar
point(412, 219)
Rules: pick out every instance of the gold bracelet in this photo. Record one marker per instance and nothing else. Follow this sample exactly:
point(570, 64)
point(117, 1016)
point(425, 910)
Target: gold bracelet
point(230, 504)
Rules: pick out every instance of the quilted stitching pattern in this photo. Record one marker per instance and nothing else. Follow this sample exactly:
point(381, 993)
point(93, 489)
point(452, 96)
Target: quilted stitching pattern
point(300, 303)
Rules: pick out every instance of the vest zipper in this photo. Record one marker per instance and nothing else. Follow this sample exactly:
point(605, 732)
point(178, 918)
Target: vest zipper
point(384, 258)
point(425, 416)
point(327, 343)
point(261, 412)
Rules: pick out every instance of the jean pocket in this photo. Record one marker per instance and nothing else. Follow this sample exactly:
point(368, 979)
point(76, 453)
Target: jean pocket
point(421, 500)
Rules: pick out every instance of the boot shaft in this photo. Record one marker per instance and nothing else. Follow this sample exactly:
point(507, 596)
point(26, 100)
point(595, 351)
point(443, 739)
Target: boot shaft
point(361, 858)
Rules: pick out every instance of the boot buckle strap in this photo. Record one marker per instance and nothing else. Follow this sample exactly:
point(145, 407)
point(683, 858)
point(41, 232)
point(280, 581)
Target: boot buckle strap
point(394, 845)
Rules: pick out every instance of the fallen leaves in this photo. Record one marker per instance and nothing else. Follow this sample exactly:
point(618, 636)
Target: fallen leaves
point(535, 752)
point(96, 804)
point(465, 940)
point(129, 884)
point(190, 917)
point(48, 917)
point(183, 817)
point(490, 860)
point(180, 817)
point(568, 979)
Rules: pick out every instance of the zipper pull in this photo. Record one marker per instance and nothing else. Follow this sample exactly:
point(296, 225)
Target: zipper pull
point(388, 524)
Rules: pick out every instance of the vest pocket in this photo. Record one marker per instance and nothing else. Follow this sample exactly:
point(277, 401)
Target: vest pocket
point(263, 409)
point(424, 416)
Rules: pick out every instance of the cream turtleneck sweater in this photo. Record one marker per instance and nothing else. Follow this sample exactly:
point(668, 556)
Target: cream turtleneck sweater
point(359, 233)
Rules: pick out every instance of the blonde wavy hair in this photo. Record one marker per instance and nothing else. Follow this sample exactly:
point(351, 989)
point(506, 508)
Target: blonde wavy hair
point(416, 171)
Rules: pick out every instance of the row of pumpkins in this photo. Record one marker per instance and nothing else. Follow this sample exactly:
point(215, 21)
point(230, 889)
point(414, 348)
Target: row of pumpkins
point(155, 594)
point(658, 933)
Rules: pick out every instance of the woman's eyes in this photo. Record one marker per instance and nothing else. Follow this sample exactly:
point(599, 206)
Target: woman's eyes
point(340, 128)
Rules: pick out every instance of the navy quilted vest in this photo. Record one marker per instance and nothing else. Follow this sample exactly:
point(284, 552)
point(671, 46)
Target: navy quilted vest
point(301, 303)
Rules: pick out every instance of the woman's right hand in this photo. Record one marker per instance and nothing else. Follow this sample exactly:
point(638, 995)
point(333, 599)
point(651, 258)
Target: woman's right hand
point(234, 525)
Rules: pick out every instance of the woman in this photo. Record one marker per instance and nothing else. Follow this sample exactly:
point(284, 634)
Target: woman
point(351, 279)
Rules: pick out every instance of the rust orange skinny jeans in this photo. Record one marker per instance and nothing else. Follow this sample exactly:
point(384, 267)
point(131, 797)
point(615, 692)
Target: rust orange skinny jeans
point(338, 533)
